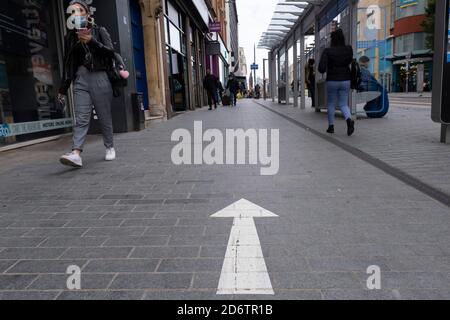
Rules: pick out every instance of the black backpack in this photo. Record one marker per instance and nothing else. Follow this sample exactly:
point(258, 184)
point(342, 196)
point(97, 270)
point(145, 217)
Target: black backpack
point(356, 75)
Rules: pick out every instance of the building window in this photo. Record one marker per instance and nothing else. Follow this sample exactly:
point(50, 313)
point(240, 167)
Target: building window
point(410, 42)
point(408, 10)
point(176, 56)
point(393, 12)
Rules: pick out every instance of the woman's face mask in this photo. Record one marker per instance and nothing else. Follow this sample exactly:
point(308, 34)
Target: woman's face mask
point(78, 18)
point(80, 22)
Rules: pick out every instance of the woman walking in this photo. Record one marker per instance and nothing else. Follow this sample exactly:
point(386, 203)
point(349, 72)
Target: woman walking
point(88, 54)
point(335, 61)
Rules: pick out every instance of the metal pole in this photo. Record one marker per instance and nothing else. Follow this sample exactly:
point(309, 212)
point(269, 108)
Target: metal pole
point(407, 72)
point(353, 41)
point(273, 81)
point(302, 69)
point(385, 52)
point(264, 79)
point(279, 81)
point(445, 133)
point(286, 73)
point(295, 64)
point(254, 63)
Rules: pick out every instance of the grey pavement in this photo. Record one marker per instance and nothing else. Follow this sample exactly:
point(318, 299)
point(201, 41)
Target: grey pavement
point(406, 138)
point(140, 227)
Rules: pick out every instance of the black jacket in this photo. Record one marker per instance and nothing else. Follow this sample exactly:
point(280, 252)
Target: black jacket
point(220, 86)
point(101, 48)
point(335, 61)
point(233, 85)
point(210, 83)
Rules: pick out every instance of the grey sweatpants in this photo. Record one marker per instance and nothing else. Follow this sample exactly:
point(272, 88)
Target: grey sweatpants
point(92, 89)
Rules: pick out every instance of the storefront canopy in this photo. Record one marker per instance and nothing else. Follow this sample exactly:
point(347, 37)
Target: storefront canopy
point(286, 15)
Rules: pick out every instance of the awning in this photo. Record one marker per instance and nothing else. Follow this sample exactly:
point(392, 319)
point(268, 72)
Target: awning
point(287, 13)
point(413, 60)
point(412, 53)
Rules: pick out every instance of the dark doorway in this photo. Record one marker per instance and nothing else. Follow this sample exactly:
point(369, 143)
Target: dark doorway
point(138, 50)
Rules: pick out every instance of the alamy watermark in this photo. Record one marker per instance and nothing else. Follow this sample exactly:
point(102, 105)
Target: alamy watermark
point(74, 280)
point(374, 280)
point(235, 147)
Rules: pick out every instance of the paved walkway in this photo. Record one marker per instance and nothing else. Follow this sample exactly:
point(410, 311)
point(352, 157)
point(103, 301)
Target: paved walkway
point(140, 227)
point(406, 139)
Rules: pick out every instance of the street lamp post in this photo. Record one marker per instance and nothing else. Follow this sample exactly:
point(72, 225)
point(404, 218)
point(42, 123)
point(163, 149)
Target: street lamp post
point(264, 79)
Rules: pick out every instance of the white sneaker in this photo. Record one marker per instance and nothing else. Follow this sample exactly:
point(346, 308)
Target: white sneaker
point(71, 160)
point(110, 154)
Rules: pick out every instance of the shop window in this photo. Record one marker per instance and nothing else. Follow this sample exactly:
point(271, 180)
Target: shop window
point(175, 39)
point(176, 58)
point(29, 72)
point(408, 9)
point(173, 14)
point(410, 42)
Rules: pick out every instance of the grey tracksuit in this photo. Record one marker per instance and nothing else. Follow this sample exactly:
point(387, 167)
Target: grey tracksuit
point(92, 89)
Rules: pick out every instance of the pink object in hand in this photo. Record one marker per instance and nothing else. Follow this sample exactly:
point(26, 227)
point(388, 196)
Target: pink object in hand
point(124, 74)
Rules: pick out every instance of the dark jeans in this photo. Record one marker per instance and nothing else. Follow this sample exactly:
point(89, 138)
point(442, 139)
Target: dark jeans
point(233, 98)
point(312, 92)
point(212, 98)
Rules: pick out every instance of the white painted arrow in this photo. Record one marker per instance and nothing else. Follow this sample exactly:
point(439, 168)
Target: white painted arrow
point(244, 270)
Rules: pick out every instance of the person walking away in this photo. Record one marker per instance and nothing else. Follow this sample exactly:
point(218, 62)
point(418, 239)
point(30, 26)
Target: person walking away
point(220, 90)
point(88, 56)
point(335, 62)
point(310, 79)
point(233, 86)
point(258, 91)
point(210, 85)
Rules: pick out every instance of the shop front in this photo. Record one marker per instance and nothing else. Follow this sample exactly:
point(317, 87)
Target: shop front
point(31, 60)
point(185, 24)
point(30, 69)
point(413, 75)
point(175, 28)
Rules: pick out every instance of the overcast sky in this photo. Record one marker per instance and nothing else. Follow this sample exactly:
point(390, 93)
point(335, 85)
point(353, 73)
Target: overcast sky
point(254, 19)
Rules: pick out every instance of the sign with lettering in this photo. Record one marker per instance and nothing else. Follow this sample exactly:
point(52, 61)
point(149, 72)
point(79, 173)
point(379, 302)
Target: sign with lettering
point(215, 27)
point(17, 129)
point(407, 3)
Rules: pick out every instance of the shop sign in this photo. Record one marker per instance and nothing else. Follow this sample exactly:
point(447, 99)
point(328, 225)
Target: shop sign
point(215, 27)
point(17, 129)
point(213, 48)
point(407, 3)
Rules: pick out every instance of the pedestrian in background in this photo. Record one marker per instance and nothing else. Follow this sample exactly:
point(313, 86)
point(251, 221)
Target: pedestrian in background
point(257, 91)
point(335, 62)
point(88, 56)
point(310, 79)
point(233, 86)
point(210, 85)
point(220, 90)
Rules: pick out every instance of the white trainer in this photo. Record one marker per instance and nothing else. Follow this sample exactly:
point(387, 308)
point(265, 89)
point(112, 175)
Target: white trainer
point(71, 160)
point(110, 154)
